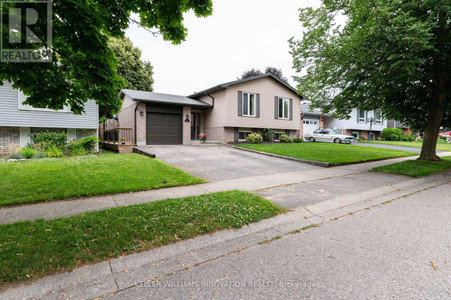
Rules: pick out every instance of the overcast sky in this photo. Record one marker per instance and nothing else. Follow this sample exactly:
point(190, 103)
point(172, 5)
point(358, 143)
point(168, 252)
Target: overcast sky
point(240, 35)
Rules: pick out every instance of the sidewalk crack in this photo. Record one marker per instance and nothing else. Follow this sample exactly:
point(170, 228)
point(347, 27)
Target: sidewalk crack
point(112, 275)
point(311, 212)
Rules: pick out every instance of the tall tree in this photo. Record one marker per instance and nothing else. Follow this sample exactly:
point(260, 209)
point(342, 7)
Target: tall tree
point(83, 66)
point(277, 73)
point(274, 71)
point(136, 73)
point(251, 73)
point(388, 54)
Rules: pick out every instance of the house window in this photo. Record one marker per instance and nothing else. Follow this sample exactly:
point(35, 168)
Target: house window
point(355, 134)
point(249, 104)
point(361, 114)
point(22, 98)
point(242, 135)
point(284, 108)
point(277, 134)
point(378, 116)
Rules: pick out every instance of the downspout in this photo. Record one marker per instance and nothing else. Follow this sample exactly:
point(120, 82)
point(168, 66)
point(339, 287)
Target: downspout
point(136, 108)
point(212, 99)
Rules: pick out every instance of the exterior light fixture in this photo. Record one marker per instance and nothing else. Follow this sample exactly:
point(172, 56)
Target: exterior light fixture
point(187, 119)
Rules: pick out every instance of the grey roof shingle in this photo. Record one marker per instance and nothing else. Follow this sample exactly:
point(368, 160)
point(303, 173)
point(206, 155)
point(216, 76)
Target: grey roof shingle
point(228, 84)
point(305, 108)
point(163, 98)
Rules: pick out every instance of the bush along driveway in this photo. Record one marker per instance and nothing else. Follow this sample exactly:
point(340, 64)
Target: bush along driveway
point(107, 173)
point(334, 154)
point(38, 248)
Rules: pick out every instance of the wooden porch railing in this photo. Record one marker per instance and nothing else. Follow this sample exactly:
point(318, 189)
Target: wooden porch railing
point(119, 136)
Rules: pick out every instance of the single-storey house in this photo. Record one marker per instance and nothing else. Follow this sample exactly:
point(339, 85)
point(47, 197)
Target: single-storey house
point(227, 112)
point(19, 122)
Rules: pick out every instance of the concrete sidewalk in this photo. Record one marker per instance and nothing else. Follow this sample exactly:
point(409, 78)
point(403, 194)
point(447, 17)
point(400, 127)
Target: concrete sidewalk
point(65, 208)
point(373, 243)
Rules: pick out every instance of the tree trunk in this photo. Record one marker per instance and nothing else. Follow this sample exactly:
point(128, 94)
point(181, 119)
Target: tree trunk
point(435, 115)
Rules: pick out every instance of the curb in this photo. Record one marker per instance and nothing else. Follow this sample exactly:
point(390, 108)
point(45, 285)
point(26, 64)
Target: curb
point(305, 161)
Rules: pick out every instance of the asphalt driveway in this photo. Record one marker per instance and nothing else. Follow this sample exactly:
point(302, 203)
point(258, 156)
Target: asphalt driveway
point(222, 162)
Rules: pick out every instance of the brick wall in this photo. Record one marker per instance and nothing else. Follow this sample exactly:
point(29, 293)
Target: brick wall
point(9, 139)
point(186, 129)
point(141, 124)
point(81, 133)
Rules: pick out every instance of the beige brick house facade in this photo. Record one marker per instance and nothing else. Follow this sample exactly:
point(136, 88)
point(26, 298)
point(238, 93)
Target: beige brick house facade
point(226, 113)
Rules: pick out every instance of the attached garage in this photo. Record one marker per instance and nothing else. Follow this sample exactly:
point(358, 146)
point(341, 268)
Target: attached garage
point(160, 119)
point(310, 123)
point(164, 125)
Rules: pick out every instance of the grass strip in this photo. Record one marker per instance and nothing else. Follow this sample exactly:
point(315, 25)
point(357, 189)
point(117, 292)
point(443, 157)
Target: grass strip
point(52, 179)
point(33, 249)
point(416, 168)
point(335, 154)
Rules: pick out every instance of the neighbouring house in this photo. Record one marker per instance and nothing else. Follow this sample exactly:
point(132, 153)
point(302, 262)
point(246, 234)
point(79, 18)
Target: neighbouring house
point(227, 112)
point(397, 124)
point(358, 124)
point(19, 122)
point(311, 118)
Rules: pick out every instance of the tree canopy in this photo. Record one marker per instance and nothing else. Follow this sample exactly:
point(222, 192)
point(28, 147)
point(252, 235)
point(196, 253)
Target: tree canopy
point(83, 67)
point(136, 73)
point(274, 71)
point(393, 55)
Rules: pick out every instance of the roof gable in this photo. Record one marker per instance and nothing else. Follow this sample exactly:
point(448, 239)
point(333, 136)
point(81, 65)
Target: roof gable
point(228, 84)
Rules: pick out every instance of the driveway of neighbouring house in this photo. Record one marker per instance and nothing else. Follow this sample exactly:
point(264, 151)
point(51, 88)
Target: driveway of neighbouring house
point(223, 162)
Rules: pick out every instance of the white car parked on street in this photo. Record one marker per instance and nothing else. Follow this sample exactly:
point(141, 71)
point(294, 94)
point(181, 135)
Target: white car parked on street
point(330, 135)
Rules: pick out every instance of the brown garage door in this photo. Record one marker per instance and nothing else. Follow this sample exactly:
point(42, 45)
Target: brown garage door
point(163, 129)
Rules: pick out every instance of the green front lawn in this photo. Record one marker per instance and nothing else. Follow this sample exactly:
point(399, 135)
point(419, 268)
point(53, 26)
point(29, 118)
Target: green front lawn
point(441, 144)
point(416, 168)
point(107, 173)
point(335, 154)
point(37, 248)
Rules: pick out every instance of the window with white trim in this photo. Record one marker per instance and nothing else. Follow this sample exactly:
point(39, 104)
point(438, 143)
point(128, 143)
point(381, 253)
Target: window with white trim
point(284, 108)
point(361, 114)
point(249, 104)
point(21, 98)
point(355, 134)
point(378, 116)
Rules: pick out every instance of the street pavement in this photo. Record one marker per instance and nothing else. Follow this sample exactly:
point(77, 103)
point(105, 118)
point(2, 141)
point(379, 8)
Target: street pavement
point(389, 242)
point(377, 236)
point(401, 250)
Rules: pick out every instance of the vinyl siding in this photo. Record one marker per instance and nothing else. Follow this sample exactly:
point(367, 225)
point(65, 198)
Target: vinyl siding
point(215, 117)
point(352, 123)
point(10, 115)
point(268, 89)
